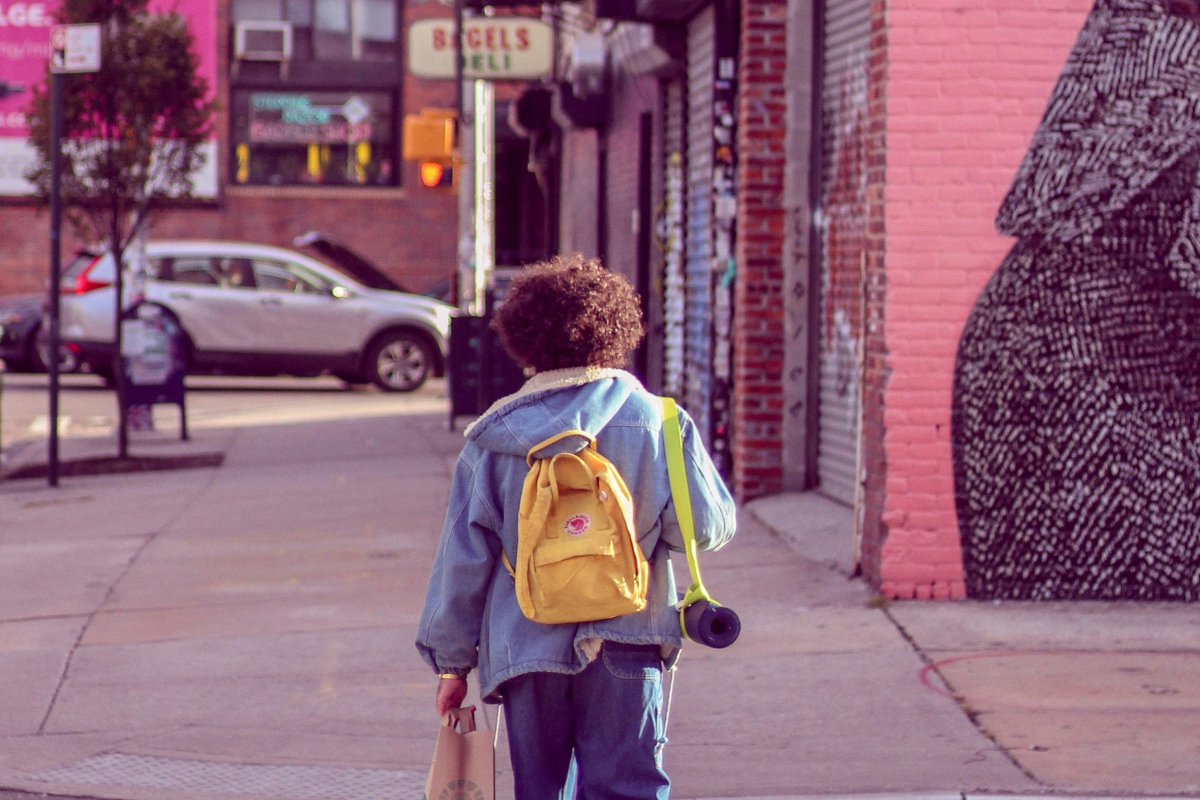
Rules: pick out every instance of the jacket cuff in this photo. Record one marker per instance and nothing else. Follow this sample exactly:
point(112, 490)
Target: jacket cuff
point(461, 672)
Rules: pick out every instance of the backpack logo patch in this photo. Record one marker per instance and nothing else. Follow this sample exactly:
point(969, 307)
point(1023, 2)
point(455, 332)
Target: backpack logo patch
point(577, 525)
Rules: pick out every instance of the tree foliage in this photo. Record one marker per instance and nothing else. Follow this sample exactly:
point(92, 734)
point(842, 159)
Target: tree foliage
point(132, 132)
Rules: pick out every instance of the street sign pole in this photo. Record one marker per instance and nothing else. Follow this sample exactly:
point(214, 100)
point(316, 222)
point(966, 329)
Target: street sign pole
point(118, 355)
point(73, 49)
point(52, 362)
point(458, 60)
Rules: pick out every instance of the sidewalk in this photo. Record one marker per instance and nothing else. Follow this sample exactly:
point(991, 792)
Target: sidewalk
point(246, 631)
point(1083, 697)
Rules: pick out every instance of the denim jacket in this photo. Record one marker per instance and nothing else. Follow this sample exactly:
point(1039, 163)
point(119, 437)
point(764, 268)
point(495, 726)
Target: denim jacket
point(471, 618)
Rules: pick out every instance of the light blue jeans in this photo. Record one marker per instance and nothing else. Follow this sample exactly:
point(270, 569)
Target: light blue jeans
point(609, 716)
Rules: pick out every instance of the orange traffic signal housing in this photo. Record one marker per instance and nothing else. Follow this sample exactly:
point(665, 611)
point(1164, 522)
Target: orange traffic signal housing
point(429, 136)
point(429, 139)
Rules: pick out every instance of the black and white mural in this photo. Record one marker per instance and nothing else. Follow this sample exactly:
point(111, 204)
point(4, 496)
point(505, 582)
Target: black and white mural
point(1076, 409)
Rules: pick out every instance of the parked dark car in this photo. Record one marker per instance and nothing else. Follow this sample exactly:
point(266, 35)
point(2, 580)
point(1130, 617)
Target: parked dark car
point(20, 321)
point(23, 343)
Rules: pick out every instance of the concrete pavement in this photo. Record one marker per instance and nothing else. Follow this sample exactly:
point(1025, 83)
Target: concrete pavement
point(246, 631)
point(1083, 697)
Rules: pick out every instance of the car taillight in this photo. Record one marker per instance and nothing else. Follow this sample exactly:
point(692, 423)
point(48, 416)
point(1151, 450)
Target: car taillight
point(83, 283)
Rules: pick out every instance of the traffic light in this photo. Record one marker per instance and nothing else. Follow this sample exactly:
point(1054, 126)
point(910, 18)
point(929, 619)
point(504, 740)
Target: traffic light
point(436, 175)
point(429, 140)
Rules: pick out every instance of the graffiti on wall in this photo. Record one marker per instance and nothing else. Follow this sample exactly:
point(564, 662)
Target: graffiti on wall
point(670, 239)
point(845, 212)
point(1076, 409)
point(723, 264)
point(842, 218)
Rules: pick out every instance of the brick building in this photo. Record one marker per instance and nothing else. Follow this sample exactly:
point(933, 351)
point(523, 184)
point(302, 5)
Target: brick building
point(647, 107)
point(804, 193)
point(820, 222)
point(268, 181)
point(870, 180)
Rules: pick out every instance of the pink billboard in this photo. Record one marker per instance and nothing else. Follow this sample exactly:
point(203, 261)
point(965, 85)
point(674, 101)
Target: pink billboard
point(24, 48)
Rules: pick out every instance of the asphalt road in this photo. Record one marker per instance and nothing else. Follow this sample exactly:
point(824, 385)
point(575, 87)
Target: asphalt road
point(87, 408)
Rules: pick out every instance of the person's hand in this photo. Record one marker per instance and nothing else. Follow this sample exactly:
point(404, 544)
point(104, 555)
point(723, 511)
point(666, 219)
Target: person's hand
point(450, 694)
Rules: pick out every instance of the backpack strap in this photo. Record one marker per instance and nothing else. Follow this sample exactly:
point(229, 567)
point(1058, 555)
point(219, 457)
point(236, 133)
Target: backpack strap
point(677, 472)
point(558, 437)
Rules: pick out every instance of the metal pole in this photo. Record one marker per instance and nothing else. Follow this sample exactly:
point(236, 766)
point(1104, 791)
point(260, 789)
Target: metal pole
point(52, 363)
point(118, 257)
point(458, 60)
point(485, 191)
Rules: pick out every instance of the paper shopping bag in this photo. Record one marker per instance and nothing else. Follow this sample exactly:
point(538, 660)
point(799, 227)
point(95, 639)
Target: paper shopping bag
point(464, 760)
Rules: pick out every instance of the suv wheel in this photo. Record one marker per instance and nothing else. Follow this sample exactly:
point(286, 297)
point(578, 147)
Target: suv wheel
point(399, 362)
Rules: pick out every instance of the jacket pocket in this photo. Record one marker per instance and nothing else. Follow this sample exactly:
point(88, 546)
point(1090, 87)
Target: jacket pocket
point(632, 661)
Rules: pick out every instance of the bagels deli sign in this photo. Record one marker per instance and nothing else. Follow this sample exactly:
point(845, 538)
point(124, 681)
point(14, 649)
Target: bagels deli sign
point(494, 48)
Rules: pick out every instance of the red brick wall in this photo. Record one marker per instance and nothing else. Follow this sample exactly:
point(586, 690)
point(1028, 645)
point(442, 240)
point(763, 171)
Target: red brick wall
point(875, 378)
point(967, 83)
point(24, 248)
point(410, 232)
point(758, 319)
point(631, 96)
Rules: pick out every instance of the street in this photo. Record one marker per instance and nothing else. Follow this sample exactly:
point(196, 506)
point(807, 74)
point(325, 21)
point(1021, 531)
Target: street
point(246, 631)
point(88, 409)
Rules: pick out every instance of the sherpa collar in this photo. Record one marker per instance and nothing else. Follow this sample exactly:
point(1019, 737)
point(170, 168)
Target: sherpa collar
point(549, 381)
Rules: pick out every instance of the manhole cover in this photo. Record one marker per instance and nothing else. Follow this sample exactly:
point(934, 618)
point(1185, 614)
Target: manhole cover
point(263, 780)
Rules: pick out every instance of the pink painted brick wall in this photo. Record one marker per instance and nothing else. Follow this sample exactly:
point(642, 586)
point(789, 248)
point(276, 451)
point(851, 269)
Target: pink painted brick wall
point(966, 86)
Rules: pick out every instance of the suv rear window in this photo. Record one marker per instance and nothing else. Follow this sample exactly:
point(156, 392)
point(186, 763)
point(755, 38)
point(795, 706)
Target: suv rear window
point(81, 261)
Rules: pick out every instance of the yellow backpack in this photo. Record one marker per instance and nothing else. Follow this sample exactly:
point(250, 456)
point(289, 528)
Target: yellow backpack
point(578, 559)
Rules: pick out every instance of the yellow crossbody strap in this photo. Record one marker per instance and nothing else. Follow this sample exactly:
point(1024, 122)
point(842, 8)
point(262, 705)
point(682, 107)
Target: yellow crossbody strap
point(673, 441)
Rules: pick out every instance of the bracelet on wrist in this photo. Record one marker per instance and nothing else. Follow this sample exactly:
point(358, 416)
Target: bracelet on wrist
point(451, 676)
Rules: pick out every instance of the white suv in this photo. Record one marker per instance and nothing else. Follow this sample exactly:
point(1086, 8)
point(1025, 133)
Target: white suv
point(251, 309)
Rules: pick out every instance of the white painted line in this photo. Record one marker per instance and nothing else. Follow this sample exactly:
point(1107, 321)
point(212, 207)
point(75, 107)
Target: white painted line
point(41, 425)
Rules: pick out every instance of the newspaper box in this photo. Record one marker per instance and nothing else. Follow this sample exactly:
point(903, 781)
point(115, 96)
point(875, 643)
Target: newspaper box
point(154, 356)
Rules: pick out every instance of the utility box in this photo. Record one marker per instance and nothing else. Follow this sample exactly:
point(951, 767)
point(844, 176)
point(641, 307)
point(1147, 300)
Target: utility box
point(480, 370)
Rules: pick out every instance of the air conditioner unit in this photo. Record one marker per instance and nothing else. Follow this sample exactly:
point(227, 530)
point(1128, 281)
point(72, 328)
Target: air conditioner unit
point(586, 63)
point(262, 41)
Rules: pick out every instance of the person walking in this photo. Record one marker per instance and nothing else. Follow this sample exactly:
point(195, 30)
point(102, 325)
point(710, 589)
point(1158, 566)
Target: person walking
point(592, 690)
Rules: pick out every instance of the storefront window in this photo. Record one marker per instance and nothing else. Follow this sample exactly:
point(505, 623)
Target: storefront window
point(323, 138)
point(330, 30)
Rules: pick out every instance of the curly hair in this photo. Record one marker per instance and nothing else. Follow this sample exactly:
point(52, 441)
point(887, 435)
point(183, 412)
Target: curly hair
point(569, 312)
